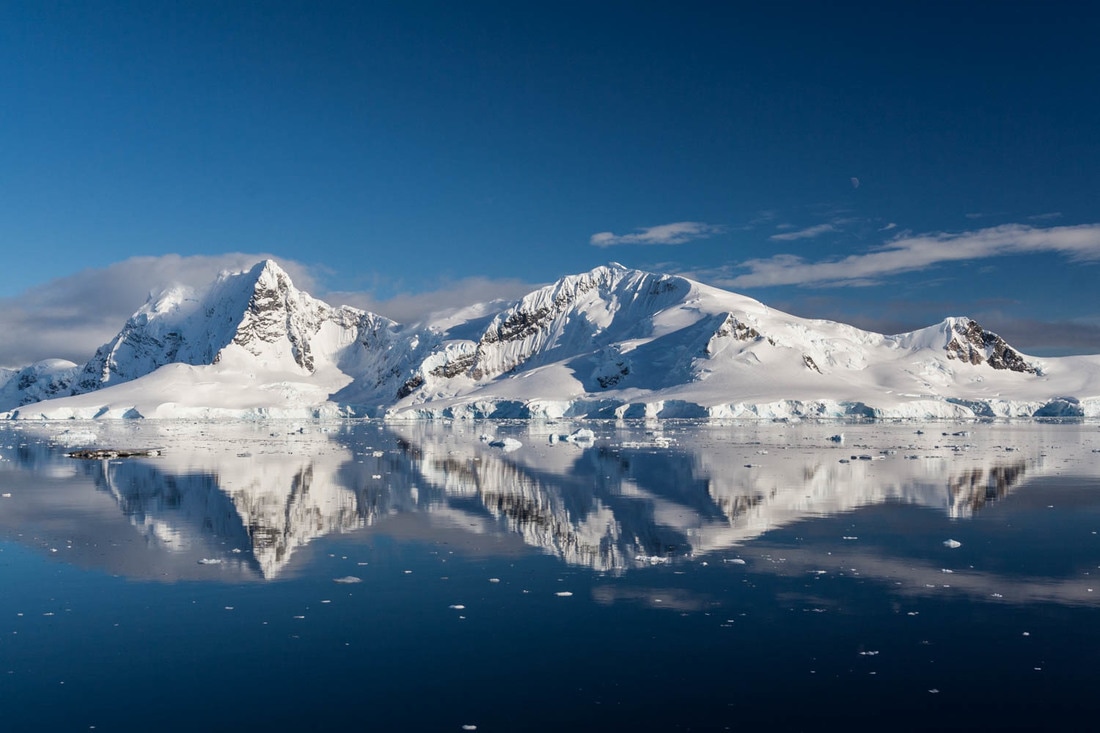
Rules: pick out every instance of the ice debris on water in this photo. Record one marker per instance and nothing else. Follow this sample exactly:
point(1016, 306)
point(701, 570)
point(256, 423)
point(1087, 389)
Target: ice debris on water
point(952, 544)
point(210, 561)
point(563, 593)
point(457, 607)
point(469, 727)
point(347, 579)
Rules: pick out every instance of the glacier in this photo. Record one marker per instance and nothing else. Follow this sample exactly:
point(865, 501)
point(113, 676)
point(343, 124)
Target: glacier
point(613, 342)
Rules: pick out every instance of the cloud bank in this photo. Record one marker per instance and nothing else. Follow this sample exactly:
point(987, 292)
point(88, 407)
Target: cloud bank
point(679, 232)
point(911, 253)
point(70, 317)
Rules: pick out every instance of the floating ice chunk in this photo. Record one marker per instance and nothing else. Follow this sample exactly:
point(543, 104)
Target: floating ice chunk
point(210, 561)
point(457, 607)
point(506, 444)
point(469, 727)
point(6, 495)
point(952, 544)
point(347, 579)
point(583, 435)
point(563, 593)
point(736, 561)
point(494, 580)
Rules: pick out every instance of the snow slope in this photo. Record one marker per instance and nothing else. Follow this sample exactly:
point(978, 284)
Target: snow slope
point(611, 342)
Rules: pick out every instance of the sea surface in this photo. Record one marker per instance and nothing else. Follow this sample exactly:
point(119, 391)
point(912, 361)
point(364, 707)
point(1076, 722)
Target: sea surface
point(550, 576)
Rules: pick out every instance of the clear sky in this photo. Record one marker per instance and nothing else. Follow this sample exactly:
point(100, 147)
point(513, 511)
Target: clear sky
point(883, 163)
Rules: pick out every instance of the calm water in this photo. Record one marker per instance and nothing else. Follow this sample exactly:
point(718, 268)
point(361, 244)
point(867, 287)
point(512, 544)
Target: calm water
point(674, 576)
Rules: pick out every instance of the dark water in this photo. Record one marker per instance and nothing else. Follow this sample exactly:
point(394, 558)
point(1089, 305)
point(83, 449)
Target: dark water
point(677, 576)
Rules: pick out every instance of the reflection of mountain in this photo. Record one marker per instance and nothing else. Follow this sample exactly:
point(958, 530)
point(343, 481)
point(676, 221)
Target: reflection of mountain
point(610, 507)
point(630, 498)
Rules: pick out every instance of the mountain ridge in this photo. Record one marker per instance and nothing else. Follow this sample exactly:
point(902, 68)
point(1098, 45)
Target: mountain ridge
point(613, 342)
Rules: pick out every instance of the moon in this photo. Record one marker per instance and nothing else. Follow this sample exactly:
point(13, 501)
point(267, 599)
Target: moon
point(855, 182)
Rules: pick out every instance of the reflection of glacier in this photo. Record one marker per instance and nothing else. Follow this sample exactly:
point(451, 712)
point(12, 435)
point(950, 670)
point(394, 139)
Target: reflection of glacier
point(630, 498)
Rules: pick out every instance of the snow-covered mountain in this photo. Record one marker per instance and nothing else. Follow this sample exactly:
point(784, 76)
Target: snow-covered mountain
point(612, 342)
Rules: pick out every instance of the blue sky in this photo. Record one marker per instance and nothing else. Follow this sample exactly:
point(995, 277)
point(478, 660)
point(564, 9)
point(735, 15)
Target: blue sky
point(885, 164)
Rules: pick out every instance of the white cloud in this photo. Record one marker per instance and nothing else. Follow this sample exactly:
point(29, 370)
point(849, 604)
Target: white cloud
point(70, 317)
point(909, 253)
point(679, 232)
point(807, 233)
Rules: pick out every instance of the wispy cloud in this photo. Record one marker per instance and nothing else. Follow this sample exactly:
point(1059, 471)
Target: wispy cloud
point(807, 233)
point(448, 296)
point(679, 232)
point(910, 253)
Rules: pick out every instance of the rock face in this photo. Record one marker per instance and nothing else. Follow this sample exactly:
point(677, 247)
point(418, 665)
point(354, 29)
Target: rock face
point(974, 345)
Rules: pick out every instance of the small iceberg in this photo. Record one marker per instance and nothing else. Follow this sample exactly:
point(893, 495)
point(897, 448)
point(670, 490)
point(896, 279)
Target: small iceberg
point(506, 444)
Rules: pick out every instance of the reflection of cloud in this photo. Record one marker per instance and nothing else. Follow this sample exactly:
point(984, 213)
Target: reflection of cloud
point(906, 254)
point(674, 599)
point(911, 577)
point(679, 232)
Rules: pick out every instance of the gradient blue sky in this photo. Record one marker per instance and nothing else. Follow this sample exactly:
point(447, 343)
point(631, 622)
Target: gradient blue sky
point(886, 164)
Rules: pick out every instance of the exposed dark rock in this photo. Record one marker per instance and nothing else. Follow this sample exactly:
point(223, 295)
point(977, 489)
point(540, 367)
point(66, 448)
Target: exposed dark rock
point(411, 385)
point(974, 345)
point(453, 368)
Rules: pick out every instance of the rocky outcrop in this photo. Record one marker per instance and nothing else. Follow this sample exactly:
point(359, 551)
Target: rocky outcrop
point(974, 345)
